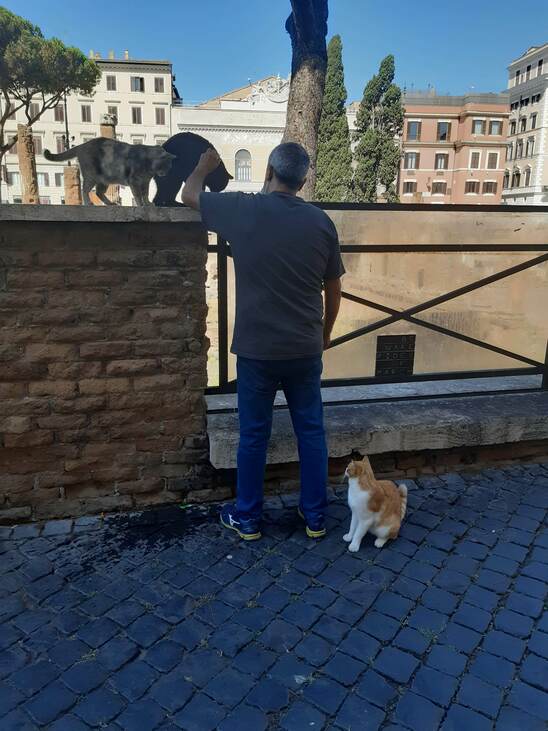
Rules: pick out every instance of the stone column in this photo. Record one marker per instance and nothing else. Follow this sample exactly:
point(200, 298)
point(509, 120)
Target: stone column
point(73, 189)
point(107, 129)
point(27, 164)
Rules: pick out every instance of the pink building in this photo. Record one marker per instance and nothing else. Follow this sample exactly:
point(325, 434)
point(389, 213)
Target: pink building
point(454, 148)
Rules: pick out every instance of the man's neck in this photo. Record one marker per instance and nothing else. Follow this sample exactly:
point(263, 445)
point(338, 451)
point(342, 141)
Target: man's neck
point(280, 188)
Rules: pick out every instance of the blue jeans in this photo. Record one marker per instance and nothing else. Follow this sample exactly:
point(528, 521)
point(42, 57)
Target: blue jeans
point(258, 381)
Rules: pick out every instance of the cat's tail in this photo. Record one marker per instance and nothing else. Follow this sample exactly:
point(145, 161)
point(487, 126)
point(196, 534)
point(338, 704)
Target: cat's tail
point(67, 155)
point(403, 493)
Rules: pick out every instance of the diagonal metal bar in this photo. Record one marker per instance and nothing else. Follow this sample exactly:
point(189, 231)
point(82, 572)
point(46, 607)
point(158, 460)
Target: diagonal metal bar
point(442, 330)
point(439, 300)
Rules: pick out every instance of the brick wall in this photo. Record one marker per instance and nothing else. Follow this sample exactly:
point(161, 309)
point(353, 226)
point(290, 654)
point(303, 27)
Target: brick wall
point(102, 358)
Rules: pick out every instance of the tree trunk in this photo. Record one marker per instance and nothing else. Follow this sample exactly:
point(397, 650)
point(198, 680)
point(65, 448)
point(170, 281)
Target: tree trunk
point(27, 164)
point(307, 28)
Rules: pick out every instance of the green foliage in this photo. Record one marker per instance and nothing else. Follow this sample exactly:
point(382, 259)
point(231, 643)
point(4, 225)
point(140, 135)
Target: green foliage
point(36, 69)
point(379, 123)
point(334, 161)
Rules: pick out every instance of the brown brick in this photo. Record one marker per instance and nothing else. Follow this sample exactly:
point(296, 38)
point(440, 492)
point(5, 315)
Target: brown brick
point(15, 424)
point(131, 367)
point(76, 299)
point(82, 506)
point(12, 484)
point(135, 429)
point(132, 296)
point(50, 352)
point(114, 418)
point(12, 515)
point(12, 390)
point(84, 404)
point(18, 299)
point(137, 258)
point(107, 451)
point(22, 461)
point(22, 371)
point(95, 278)
point(24, 406)
point(158, 347)
point(158, 443)
point(76, 334)
point(86, 434)
point(76, 370)
point(89, 489)
point(118, 401)
point(57, 479)
point(106, 349)
point(104, 385)
point(134, 331)
point(152, 484)
point(10, 352)
point(52, 388)
point(34, 279)
point(163, 382)
point(57, 421)
point(69, 257)
point(30, 439)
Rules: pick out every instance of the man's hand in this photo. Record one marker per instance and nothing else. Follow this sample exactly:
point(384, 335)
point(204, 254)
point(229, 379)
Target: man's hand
point(326, 341)
point(209, 161)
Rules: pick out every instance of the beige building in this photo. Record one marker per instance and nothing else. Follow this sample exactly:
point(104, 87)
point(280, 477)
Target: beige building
point(454, 148)
point(137, 92)
point(526, 174)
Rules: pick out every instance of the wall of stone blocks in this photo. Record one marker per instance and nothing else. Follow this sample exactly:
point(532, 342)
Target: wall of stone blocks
point(102, 359)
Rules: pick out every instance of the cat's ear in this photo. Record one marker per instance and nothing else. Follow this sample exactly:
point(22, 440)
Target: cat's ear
point(230, 177)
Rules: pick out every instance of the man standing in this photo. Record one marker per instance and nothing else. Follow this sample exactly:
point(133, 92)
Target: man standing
point(286, 252)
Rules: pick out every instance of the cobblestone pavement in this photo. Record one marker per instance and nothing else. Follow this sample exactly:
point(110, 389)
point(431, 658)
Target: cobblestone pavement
point(160, 620)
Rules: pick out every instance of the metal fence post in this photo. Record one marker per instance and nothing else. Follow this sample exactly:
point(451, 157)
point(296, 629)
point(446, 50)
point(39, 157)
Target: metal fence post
point(222, 304)
point(545, 374)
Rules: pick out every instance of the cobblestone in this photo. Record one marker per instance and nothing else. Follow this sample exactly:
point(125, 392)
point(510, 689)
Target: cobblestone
point(161, 620)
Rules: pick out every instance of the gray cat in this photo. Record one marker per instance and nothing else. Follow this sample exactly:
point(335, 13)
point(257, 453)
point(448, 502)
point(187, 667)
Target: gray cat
point(104, 162)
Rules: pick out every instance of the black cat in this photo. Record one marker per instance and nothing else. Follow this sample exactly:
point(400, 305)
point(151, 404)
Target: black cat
point(187, 148)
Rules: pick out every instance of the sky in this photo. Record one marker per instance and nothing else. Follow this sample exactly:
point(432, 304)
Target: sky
point(218, 45)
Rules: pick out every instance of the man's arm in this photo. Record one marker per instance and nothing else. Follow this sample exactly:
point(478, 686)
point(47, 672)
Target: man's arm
point(332, 293)
point(208, 162)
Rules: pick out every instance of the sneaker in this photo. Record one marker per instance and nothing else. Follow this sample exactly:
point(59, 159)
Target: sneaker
point(248, 529)
point(314, 529)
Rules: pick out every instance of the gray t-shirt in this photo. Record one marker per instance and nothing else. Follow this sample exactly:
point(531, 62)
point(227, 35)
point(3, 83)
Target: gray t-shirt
point(283, 249)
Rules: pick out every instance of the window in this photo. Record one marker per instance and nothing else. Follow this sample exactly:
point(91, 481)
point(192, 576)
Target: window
point(59, 113)
point(43, 180)
point(533, 121)
point(11, 142)
point(444, 131)
point(489, 187)
point(528, 73)
point(160, 115)
point(514, 106)
point(528, 177)
point(495, 127)
point(243, 165)
point(58, 180)
point(478, 127)
point(37, 145)
point(160, 140)
point(59, 144)
point(506, 180)
point(137, 140)
point(516, 177)
point(442, 161)
point(530, 147)
point(137, 83)
point(414, 131)
point(516, 80)
point(492, 160)
point(86, 112)
point(509, 151)
point(513, 127)
point(45, 200)
point(113, 111)
point(409, 187)
point(159, 84)
point(136, 115)
point(475, 160)
point(523, 124)
point(34, 110)
point(13, 178)
point(111, 83)
point(17, 200)
point(519, 149)
point(439, 187)
point(536, 98)
point(471, 187)
point(411, 160)
point(539, 66)
point(524, 102)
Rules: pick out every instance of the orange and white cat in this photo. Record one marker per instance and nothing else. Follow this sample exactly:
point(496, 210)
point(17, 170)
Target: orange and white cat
point(378, 506)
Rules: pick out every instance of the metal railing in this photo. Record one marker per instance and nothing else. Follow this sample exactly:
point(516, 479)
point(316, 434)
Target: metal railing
point(531, 367)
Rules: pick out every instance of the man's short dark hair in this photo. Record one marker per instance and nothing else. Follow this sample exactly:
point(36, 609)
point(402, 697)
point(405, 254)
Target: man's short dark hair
point(290, 163)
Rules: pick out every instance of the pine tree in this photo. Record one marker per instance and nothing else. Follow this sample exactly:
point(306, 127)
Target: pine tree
point(379, 124)
point(334, 162)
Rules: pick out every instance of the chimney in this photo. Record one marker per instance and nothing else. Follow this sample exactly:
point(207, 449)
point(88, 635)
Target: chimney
point(91, 53)
point(97, 55)
point(126, 55)
point(111, 55)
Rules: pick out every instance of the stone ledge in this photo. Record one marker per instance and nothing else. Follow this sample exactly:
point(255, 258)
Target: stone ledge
point(98, 214)
point(408, 426)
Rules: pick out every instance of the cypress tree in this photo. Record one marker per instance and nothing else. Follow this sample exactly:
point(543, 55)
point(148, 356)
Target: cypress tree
point(379, 124)
point(334, 161)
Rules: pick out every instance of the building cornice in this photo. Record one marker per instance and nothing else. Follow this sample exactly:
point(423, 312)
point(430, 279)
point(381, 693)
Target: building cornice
point(227, 128)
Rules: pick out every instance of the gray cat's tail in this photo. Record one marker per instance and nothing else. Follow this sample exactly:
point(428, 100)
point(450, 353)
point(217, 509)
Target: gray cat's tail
point(67, 155)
